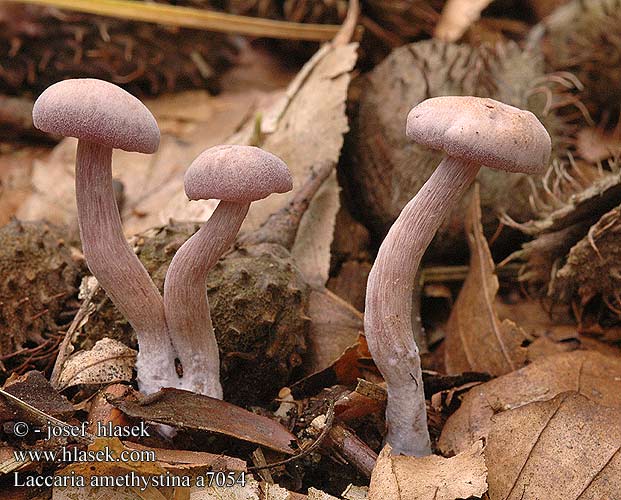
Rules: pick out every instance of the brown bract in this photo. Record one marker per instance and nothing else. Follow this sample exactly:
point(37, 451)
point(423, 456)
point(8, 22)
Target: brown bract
point(482, 131)
point(97, 111)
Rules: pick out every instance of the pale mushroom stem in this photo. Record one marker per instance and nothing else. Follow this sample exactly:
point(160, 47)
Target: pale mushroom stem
point(118, 270)
point(186, 303)
point(387, 318)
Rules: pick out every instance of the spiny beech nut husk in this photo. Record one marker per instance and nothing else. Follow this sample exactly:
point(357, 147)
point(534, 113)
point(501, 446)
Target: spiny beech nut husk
point(38, 278)
point(40, 46)
point(387, 169)
point(258, 303)
point(584, 37)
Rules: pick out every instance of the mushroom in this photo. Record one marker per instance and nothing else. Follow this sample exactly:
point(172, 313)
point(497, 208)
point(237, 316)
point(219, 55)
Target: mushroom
point(471, 131)
point(236, 175)
point(103, 116)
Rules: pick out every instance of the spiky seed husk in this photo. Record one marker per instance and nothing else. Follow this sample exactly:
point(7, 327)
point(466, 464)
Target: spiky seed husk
point(258, 302)
point(40, 46)
point(387, 170)
point(584, 37)
point(38, 279)
point(592, 266)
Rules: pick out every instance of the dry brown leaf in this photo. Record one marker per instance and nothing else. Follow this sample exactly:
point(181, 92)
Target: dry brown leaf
point(305, 128)
point(34, 389)
point(107, 362)
point(429, 478)
point(311, 249)
point(15, 172)
point(457, 16)
point(315, 494)
point(184, 461)
point(117, 468)
point(565, 448)
point(187, 410)
point(476, 339)
point(335, 326)
point(594, 375)
point(552, 332)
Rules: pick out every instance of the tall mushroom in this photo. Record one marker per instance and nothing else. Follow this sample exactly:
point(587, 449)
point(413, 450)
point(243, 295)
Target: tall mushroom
point(236, 175)
point(103, 116)
point(471, 131)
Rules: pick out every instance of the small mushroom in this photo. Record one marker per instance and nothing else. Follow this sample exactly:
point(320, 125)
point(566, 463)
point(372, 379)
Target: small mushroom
point(236, 175)
point(103, 116)
point(471, 131)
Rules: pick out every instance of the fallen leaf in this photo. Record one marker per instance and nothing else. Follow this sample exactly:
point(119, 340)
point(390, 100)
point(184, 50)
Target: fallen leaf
point(457, 16)
point(335, 326)
point(34, 389)
point(252, 491)
point(305, 128)
point(553, 331)
point(187, 410)
point(186, 460)
point(476, 339)
point(311, 250)
point(568, 447)
point(355, 362)
point(315, 494)
point(128, 476)
point(107, 362)
point(429, 478)
point(594, 375)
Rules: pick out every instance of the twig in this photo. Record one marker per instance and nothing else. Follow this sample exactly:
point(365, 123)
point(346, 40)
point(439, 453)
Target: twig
point(44, 417)
point(187, 17)
point(310, 449)
point(63, 350)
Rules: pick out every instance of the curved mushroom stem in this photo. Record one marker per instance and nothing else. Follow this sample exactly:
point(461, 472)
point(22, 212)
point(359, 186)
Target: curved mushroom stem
point(388, 318)
point(186, 303)
point(118, 270)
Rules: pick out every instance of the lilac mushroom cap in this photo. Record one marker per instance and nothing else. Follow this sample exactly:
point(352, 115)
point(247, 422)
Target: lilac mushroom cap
point(237, 176)
point(97, 111)
point(103, 117)
point(482, 131)
point(472, 131)
point(240, 174)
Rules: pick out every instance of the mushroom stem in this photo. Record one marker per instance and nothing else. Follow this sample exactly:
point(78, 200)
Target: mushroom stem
point(116, 267)
point(388, 317)
point(186, 303)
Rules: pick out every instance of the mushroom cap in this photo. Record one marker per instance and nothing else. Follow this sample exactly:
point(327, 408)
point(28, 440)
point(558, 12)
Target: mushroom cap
point(99, 112)
point(240, 174)
point(483, 131)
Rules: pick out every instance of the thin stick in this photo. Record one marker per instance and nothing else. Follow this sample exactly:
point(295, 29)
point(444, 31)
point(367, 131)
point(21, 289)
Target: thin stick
point(44, 417)
point(63, 351)
point(187, 17)
point(312, 447)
